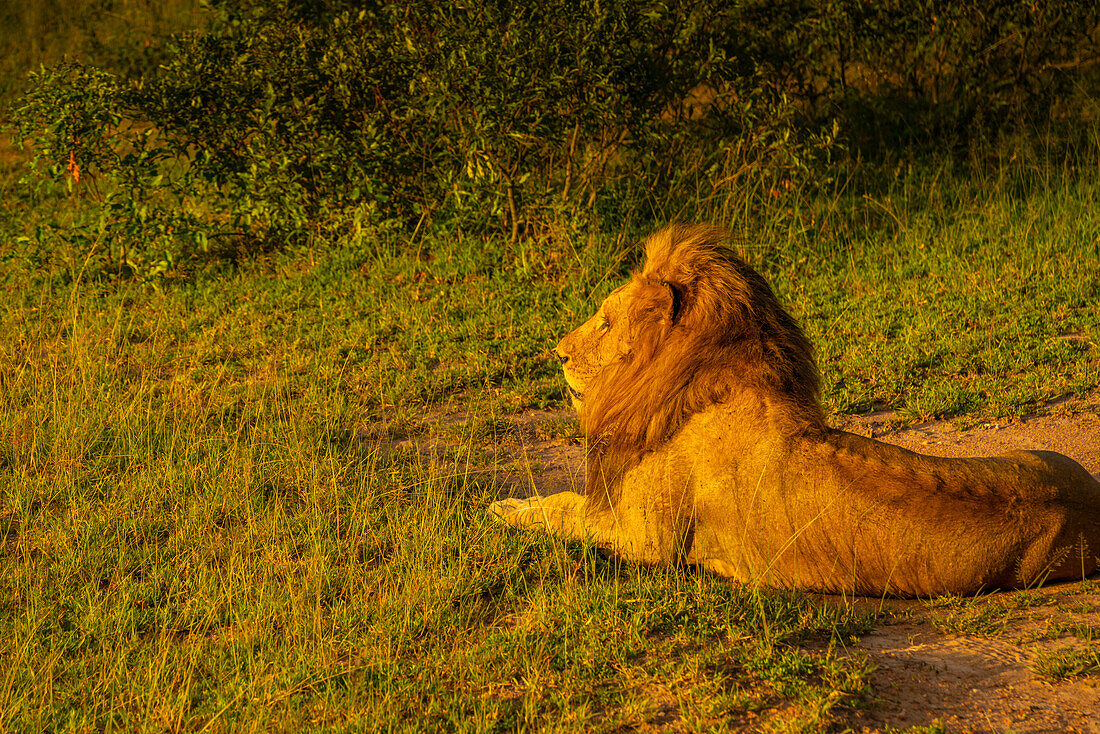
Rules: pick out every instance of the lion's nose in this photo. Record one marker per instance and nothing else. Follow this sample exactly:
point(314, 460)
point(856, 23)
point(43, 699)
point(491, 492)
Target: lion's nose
point(562, 358)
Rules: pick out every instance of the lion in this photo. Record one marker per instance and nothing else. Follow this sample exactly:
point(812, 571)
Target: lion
point(707, 445)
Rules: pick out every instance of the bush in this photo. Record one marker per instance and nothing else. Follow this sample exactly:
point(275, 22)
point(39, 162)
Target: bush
point(928, 71)
point(287, 120)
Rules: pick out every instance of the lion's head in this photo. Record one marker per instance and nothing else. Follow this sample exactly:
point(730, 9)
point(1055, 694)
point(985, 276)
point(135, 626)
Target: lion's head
point(693, 325)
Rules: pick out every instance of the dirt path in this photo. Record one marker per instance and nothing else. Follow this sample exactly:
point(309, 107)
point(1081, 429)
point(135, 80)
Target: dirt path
point(962, 665)
point(976, 666)
point(1072, 429)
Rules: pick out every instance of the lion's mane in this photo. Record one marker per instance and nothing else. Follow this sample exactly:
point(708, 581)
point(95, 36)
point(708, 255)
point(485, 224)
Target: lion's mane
point(727, 332)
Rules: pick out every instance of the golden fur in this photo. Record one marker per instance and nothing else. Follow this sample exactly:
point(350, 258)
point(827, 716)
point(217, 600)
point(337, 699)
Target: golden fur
point(699, 397)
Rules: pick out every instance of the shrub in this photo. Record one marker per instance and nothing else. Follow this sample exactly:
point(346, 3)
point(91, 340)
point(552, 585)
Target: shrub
point(286, 120)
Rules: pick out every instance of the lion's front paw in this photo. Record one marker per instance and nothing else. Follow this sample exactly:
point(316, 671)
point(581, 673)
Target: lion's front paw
point(508, 510)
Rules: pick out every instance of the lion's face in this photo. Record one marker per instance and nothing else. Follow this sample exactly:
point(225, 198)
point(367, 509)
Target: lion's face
point(598, 343)
point(633, 314)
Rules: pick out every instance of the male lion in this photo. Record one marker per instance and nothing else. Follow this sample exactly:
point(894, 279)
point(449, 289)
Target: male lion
point(707, 445)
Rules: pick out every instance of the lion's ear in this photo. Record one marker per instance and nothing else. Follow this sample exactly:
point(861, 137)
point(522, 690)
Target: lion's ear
point(657, 302)
point(676, 302)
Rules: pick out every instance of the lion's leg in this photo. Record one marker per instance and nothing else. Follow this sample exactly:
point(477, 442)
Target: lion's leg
point(561, 514)
point(630, 531)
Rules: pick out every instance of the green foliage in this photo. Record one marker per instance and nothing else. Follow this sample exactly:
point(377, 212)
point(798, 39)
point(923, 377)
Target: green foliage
point(138, 214)
point(925, 70)
point(300, 122)
point(277, 121)
point(280, 120)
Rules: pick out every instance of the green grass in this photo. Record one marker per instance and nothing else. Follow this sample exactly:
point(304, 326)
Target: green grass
point(976, 297)
point(207, 524)
point(195, 538)
point(1068, 662)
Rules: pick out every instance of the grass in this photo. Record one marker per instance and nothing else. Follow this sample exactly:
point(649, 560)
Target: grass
point(200, 533)
point(997, 615)
point(974, 616)
point(1067, 662)
point(208, 523)
point(976, 302)
point(207, 552)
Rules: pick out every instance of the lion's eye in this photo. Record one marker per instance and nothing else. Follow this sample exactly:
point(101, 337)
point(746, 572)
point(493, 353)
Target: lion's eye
point(604, 326)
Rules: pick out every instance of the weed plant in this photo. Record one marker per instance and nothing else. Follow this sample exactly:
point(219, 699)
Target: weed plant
point(1068, 662)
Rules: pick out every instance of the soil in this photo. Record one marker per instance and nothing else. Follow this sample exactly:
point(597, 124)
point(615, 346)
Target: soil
point(961, 665)
point(928, 676)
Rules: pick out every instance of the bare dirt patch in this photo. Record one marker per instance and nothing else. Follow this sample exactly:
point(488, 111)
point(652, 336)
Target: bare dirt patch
point(970, 685)
point(1000, 675)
